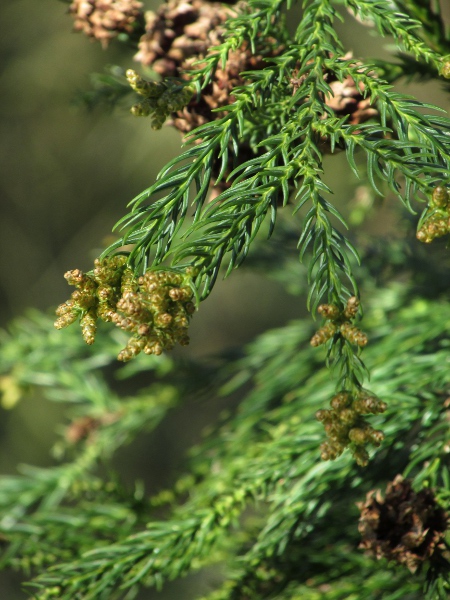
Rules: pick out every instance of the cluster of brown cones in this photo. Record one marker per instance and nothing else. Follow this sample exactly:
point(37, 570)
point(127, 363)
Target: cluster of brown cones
point(179, 34)
point(104, 20)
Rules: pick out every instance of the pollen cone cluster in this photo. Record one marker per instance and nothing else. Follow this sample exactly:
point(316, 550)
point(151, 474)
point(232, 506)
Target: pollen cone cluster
point(155, 308)
point(95, 296)
point(405, 526)
point(346, 426)
point(104, 20)
point(161, 98)
point(339, 322)
point(157, 312)
point(436, 222)
point(445, 69)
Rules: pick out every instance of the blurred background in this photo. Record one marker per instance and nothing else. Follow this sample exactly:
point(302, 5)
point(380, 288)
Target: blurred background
point(66, 175)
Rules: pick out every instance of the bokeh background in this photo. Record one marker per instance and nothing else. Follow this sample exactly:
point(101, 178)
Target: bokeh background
point(66, 175)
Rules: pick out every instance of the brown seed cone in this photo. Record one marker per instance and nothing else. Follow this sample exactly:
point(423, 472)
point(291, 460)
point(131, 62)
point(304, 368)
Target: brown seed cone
point(104, 20)
point(218, 93)
point(348, 99)
point(405, 526)
point(181, 32)
point(178, 31)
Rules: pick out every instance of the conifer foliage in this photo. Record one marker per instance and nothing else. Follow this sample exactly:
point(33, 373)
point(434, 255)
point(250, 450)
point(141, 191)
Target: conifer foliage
point(315, 486)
